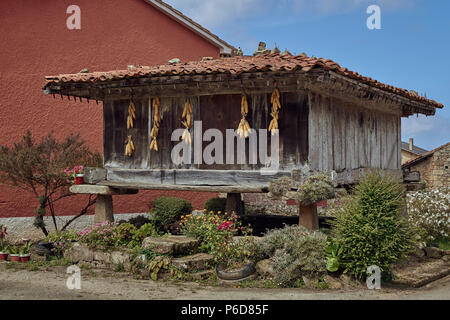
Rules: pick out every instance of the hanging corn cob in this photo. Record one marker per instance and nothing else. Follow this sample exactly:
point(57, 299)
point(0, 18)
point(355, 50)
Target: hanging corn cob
point(131, 115)
point(276, 106)
point(129, 148)
point(156, 123)
point(187, 123)
point(244, 127)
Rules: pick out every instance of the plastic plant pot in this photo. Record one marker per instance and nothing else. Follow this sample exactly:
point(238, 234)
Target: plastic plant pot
point(15, 257)
point(25, 240)
point(4, 256)
point(24, 257)
point(79, 179)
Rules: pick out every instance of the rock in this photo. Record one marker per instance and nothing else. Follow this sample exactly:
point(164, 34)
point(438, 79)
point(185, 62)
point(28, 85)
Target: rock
point(333, 282)
point(419, 253)
point(434, 253)
point(201, 275)
point(121, 258)
point(170, 245)
point(78, 253)
point(345, 278)
point(446, 258)
point(265, 268)
point(102, 256)
point(94, 175)
point(310, 282)
point(199, 261)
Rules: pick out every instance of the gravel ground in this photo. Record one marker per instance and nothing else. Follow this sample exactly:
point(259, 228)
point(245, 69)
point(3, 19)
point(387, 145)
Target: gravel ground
point(16, 284)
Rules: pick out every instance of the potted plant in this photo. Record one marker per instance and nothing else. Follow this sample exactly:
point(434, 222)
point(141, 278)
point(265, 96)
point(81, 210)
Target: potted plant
point(3, 247)
point(25, 252)
point(76, 175)
point(14, 253)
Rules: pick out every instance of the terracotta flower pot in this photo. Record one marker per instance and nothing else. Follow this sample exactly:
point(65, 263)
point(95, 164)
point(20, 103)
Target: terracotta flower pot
point(3, 256)
point(79, 179)
point(15, 257)
point(25, 257)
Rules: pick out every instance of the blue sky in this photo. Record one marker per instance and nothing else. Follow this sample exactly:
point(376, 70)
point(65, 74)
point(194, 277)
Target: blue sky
point(411, 51)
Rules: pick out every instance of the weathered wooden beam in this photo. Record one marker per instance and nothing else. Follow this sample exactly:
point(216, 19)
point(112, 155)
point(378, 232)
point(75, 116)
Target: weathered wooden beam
point(222, 189)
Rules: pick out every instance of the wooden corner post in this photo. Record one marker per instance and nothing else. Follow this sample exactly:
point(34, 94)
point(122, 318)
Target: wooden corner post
point(308, 216)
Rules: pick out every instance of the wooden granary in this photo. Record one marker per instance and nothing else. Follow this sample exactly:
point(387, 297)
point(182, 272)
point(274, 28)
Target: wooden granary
point(331, 119)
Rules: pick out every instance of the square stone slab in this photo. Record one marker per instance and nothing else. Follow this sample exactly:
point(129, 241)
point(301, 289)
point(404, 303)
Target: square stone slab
point(170, 244)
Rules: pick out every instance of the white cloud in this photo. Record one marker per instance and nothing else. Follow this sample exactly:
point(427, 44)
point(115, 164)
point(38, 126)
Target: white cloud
point(428, 132)
point(217, 13)
point(214, 13)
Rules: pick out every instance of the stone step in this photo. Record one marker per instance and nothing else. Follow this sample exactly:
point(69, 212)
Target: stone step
point(201, 275)
point(171, 244)
point(195, 262)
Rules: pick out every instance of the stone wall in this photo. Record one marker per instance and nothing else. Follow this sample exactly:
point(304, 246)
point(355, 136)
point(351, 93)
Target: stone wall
point(440, 168)
point(435, 170)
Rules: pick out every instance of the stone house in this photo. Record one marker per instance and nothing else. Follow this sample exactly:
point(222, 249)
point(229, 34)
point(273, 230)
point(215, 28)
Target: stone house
point(410, 151)
point(433, 166)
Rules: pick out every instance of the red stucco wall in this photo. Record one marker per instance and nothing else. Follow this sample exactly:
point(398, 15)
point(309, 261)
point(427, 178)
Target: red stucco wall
point(35, 42)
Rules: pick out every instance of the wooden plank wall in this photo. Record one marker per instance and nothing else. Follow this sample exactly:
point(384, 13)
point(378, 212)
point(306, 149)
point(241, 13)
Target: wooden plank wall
point(344, 137)
point(115, 134)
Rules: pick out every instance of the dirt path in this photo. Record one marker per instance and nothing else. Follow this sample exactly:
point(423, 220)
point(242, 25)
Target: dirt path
point(24, 284)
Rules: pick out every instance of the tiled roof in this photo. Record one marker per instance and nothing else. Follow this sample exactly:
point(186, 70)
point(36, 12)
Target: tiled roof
point(424, 156)
point(416, 150)
point(235, 66)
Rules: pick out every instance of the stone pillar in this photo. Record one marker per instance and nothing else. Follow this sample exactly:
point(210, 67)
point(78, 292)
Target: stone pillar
point(234, 203)
point(104, 209)
point(308, 216)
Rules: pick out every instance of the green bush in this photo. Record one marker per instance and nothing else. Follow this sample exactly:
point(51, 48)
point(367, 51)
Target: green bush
point(215, 205)
point(277, 238)
point(370, 227)
point(302, 256)
point(167, 210)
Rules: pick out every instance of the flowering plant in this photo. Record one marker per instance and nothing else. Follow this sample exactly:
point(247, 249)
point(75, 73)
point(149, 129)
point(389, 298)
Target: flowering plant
point(102, 234)
point(429, 211)
point(72, 173)
point(215, 231)
point(61, 240)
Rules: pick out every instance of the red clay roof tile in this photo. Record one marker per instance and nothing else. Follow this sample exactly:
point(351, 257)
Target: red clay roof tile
point(235, 65)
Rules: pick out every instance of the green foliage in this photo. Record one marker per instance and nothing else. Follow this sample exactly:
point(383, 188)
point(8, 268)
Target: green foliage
point(214, 231)
point(370, 227)
point(108, 234)
point(25, 249)
point(333, 252)
point(61, 240)
point(157, 264)
point(277, 238)
point(315, 188)
point(305, 256)
point(14, 250)
point(123, 235)
point(216, 205)
point(279, 187)
point(167, 210)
